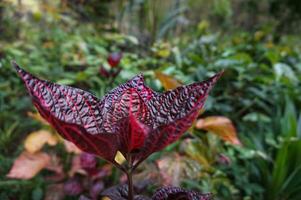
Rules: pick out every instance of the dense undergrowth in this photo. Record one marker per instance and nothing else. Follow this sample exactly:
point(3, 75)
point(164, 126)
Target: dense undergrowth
point(259, 92)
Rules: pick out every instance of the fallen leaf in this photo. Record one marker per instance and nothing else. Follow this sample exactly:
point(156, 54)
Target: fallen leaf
point(71, 148)
point(173, 168)
point(167, 81)
point(221, 126)
point(196, 152)
point(36, 140)
point(55, 166)
point(148, 171)
point(55, 192)
point(27, 165)
point(37, 117)
point(76, 166)
point(170, 170)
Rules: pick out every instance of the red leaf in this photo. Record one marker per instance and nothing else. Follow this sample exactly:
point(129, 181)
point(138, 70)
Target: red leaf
point(173, 112)
point(114, 59)
point(74, 113)
point(131, 118)
point(133, 134)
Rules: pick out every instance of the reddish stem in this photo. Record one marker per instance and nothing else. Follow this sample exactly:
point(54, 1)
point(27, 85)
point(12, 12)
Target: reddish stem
point(129, 174)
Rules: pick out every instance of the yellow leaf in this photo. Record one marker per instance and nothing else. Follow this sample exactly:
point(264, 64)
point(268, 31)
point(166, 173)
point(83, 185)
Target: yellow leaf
point(27, 165)
point(162, 50)
point(167, 81)
point(36, 140)
point(174, 167)
point(37, 117)
point(196, 154)
point(221, 126)
point(71, 148)
point(259, 35)
point(119, 158)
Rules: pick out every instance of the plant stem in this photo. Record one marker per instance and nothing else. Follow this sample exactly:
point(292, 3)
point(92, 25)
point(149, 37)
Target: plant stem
point(129, 174)
point(130, 186)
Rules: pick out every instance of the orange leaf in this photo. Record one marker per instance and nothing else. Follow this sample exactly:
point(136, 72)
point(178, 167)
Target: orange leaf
point(36, 140)
point(71, 148)
point(27, 165)
point(221, 126)
point(167, 81)
point(37, 117)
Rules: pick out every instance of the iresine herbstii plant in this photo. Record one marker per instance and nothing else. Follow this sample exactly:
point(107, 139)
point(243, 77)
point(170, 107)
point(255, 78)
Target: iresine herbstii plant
point(132, 119)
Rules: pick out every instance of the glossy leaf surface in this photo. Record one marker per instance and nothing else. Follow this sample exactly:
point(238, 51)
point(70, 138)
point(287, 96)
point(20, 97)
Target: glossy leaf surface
point(132, 118)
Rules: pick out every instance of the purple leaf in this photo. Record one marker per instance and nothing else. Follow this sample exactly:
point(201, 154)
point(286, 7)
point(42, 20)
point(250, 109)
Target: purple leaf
point(120, 192)
point(131, 118)
point(96, 189)
point(114, 59)
point(73, 187)
point(83, 197)
point(88, 161)
point(176, 193)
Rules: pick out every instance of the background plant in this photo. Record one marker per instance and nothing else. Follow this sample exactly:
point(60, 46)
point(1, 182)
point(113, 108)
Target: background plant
point(262, 75)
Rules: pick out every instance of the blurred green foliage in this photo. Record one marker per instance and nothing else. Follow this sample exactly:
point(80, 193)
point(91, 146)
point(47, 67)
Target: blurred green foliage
point(67, 42)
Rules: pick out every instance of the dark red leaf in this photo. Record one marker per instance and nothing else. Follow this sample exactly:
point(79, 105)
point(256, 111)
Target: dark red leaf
point(76, 114)
point(223, 159)
point(103, 72)
point(176, 193)
point(173, 112)
point(133, 134)
point(132, 118)
point(114, 59)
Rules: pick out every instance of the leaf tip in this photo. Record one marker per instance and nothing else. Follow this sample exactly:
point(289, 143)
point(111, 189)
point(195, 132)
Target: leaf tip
point(15, 65)
point(17, 68)
point(217, 76)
